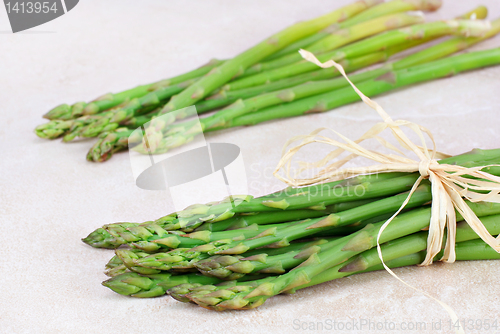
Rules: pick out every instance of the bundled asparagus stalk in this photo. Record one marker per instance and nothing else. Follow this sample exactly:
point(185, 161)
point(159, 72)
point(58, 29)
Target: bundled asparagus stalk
point(343, 225)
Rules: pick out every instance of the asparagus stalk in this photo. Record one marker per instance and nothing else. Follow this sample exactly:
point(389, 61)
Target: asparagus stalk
point(156, 282)
point(141, 235)
point(226, 97)
point(94, 125)
point(134, 285)
point(223, 73)
point(179, 259)
point(343, 37)
point(108, 144)
point(385, 8)
point(120, 263)
point(372, 44)
point(132, 109)
point(472, 249)
point(334, 39)
point(107, 101)
point(466, 251)
point(114, 235)
point(384, 83)
point(262, 218)
point(221, 213)
point(282, 237)
point(229, 267)
point(403, 225)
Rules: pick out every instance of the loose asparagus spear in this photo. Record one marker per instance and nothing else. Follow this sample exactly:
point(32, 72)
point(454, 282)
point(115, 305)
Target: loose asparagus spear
point(107, 101)
point(385, 8)
point(94, 125)
point(226, 97)
point(405, 224)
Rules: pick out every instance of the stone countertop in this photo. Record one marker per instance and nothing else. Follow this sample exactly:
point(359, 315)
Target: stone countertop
point(51, 196)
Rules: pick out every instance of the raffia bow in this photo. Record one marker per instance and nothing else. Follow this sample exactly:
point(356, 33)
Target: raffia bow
point(448, 184)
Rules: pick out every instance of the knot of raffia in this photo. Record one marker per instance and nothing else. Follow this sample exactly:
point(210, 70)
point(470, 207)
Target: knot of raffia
point(451, 185)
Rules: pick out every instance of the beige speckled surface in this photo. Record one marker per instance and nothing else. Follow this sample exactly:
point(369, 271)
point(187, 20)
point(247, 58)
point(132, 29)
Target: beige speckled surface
point(51, 197)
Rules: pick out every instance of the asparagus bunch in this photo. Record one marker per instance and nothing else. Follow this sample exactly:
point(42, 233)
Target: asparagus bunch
point(267, 104)
point(113, 117)
point(283, 241)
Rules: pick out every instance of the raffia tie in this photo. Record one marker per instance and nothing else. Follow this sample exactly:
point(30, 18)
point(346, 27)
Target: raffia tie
point(448, 184)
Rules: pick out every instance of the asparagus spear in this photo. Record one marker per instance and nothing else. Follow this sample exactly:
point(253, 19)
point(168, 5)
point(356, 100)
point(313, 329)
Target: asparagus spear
point(180, 259)
point(114, 235)
point(223, 73)
point(385, 8)
point(343, 37)
point(372, 44)
point(142, 235)
point(386, 82)
point(195, 216)
point(226, 97)
point(132, 108)
point(107, 101)
point(263, 218)
point(282, 237)
point(109, 143)
point(94, 125)
point(120, 264)
point(155, 283)
point(334, 39)
point(472, 249)
point(405, 224)
point(466, 251)
point(134, 285)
